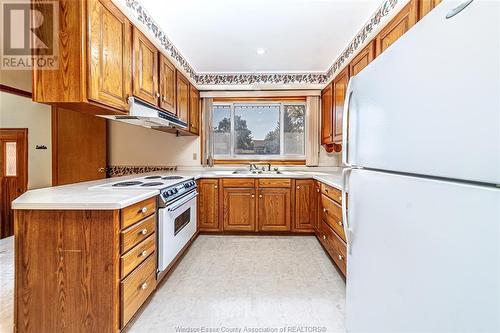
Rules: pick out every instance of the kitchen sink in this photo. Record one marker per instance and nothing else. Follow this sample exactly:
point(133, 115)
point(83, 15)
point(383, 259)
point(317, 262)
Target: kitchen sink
point(256, 172)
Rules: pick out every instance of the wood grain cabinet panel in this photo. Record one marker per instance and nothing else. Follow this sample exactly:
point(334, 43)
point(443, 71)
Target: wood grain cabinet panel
point(425, 6)
point(137, 233)
point(397, 27)
point(145, 63)
point(273, 208)
point(194, 110)
point(133, 258)
point(339, 90)
point(182, 98)
point(274, 182)
point(327, 115)
point(362, 59)
point(137, 212)
point(332, 214)
point(317, 217)
point(167, 85)
point(110, 52)
point(239, 209)
point(208, 205)
point(305, 205)
point(332, 192)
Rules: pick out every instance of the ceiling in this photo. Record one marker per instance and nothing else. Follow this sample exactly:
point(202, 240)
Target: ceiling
point(298, 36)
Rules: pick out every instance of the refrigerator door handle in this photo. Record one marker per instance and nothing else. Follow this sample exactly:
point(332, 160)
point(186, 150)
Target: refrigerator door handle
point(345, 125)
point(347, 229)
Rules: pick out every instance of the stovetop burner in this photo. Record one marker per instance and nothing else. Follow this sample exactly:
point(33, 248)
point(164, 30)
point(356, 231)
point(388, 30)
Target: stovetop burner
point(152, 177)
point(129, 183)
point(152, 184)
point(172, 177)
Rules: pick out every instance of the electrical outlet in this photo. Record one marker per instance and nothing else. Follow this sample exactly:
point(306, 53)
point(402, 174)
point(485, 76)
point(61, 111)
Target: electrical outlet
point(195, 156)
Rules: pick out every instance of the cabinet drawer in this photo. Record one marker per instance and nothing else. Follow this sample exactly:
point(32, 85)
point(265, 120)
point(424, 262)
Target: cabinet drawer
point(238, 182)
point(137, 233)
point(332, 192)
point(133, 258)
point(136, 288)
point(331, 213)
point(137, 212)
point(275, 182)
point(334, 245)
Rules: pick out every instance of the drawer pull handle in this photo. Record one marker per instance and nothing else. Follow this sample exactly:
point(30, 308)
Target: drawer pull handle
point(144, 286)
point(260, 195)
point(143, 231)
point(298, 187)
point(216, 186)
point(317, 190)
point(157, 94)
point(340, 198)
point(340, 257)
point(325, 210)
point(144, 210)
point(144, 253)
point(253, 195)
point(324, 236)
point(326, 190)
point(340, 223)
point(164, 98)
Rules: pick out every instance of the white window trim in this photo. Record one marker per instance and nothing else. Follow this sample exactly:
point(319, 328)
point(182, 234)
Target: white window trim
point(237, 157)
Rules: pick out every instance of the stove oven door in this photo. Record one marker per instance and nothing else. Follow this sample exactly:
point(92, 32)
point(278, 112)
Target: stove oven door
point(177, 225)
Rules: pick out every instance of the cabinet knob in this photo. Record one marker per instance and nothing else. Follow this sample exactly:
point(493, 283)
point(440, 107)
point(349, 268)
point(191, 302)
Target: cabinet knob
point(216, 186)
point(143, 231)
point(317, 190)
point(164, 98)
point(101, 170)
point(325, 210)
point(144, 286)
point(324, 236)
point(144, 210)
point(340, 223)
point(340, 198)
point(144, 253)
point(298, 187)
point(157, 94)
point(253, 195)
point(326, 190)
point(340, 257)
point(260, 195)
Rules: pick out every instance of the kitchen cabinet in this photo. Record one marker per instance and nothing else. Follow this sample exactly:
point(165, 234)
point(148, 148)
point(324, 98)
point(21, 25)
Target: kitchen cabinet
point(239, 209)
point(273, 209)
point(194, 110)
point(326, 115)
point(339, 90)
point(208, 205)
point(145, 63)
point(182, 98)
point(397, 27)
point(317, 198)
point(362, 59)
point(167, 85)
point(95, 50)
point(305, 205)
point(425, 6)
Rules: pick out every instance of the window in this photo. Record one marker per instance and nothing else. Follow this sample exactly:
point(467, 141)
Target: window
point(259, 130)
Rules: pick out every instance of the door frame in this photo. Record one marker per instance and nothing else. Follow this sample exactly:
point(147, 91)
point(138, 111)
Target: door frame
point(13, 134)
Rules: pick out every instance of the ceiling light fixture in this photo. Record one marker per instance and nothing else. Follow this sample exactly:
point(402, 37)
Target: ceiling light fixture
point(261, 51)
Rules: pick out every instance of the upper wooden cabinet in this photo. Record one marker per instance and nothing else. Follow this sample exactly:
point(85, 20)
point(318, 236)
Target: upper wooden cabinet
point(326, 115)
point(339, 89)
point(94, 69)
point(167, 84)
point(273, 209)
point(425, 6)
point(145, 63)
point(362, 59)
point(305, 205)
point(194, 110)
point(397, 27)
point(239, 209)
point(208, 205)
point(182, 98)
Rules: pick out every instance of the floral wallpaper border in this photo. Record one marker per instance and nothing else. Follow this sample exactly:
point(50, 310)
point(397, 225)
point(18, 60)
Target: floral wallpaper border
point(120, 170)
point(260, 78)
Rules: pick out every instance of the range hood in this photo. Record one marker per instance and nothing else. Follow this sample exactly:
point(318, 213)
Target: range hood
point(146, 115)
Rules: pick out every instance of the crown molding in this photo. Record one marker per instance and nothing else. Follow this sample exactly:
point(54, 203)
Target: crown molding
point(249, 80)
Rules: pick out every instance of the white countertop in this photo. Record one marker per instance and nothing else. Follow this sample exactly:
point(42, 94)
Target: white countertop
point(82, 196)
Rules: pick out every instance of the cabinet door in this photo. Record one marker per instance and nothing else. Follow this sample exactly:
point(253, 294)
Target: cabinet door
point(208, 205)
point(239, 209)
point(110, 52)
point(167, 85)
point(397, 27)
point(305, 205)
point(425, 6)
point(317, 197)
point(364, 57)
point(182, 98)
point(145, 79)
point(339, 89)
point(194, 110)
point(274, 209)
point(326, 115)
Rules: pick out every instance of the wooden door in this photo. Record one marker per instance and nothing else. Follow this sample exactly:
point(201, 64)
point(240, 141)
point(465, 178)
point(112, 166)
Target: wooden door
point(182, 98)
point(425, 6)
point(273, 209)
point(13, 174)
point(110, 53)
point(339, 88)
point(305, 205)
point(145, 63)
point(362, 59)
point(194, 110)
point(208, 205)
point(167, 85)
point(397, 27)
point(78, 147)
point(326, 115)
point(239, 209)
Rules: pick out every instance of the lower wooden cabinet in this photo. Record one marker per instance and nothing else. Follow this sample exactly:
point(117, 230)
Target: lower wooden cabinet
point(305, 205)
point(335, 246)
point(208, 205)
point(273, 209)
point(239, 209)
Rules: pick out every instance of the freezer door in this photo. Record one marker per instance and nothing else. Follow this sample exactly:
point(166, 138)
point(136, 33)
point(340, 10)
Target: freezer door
point(430, 104)
point(423, 255)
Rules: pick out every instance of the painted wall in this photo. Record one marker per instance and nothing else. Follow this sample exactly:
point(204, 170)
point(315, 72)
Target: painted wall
point(17, 79)
point(138, 146)
point(329, 159)
point(21, 112)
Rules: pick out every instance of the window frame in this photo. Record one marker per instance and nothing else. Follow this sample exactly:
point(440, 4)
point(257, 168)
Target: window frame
point(240, 157)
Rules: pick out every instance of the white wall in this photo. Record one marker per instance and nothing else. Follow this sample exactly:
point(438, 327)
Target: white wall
point(134, 145)
point(21, 112)
point(329, 159)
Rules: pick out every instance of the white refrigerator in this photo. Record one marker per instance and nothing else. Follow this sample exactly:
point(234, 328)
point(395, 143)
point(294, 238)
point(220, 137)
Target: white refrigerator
point(421, 153)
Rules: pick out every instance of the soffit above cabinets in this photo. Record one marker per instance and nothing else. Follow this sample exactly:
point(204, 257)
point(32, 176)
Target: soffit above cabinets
point(216, 43)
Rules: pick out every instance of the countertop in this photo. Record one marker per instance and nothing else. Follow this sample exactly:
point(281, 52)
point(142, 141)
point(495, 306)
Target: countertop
point(85, 196)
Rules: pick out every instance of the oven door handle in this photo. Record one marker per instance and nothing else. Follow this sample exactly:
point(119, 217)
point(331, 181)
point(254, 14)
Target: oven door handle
point(186, 199)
